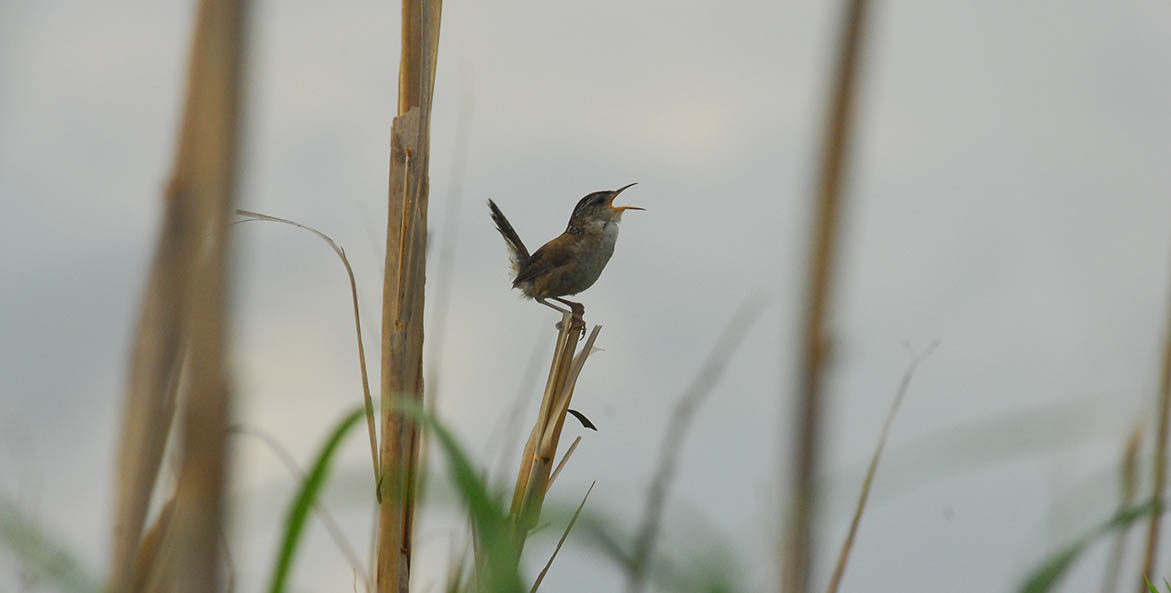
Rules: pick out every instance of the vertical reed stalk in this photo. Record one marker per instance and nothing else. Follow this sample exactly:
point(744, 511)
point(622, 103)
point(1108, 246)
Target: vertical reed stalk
point(184, 310)
point(797, 557)
point(402, 290)
point(1160, 469)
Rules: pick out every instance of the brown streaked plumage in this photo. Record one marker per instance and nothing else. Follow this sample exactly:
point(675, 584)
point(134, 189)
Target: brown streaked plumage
point(571, 262)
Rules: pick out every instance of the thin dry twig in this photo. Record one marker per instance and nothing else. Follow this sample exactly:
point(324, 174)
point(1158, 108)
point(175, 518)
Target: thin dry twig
point(331, 524)
point(564, 460)
point(1128, 487)
point(561, 542)
point(848, 544)
point(681, 419)
point(1160, 469)
point(797, 556)
point(341, 253)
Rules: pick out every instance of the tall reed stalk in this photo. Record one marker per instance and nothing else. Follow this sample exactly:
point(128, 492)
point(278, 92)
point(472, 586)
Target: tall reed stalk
point(183, 318)
point(402, 291)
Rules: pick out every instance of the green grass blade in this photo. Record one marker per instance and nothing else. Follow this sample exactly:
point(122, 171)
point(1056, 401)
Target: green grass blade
point(1046, 576)
point(303, 503)
point(1150, 587)
point(43, 558)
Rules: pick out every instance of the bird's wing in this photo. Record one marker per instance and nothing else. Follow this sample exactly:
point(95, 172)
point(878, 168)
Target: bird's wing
point(551, 255)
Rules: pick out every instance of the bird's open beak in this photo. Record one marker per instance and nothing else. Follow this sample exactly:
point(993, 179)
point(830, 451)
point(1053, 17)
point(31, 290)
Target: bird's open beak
point(615, 195)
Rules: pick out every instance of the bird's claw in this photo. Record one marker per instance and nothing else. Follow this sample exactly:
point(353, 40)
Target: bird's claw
point(576, 318)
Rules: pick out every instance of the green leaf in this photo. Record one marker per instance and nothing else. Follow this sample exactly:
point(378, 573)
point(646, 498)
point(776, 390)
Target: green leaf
point(1045, 576)
point(1150, 587)
point(43, 558)
point(303, 503)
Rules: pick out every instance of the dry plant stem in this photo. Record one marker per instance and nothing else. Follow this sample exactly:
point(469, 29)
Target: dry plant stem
point(844, 554)
point(537, 462)
point(402, 290)
point(341, 253)
point(681, 419)
point(1160, 469)
point(797, 557)
point(203, 182)
point(564, 535)
point(331, 525)
point(1128, 482)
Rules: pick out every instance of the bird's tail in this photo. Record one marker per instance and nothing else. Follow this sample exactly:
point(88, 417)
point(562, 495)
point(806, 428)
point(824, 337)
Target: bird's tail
point(516, 248)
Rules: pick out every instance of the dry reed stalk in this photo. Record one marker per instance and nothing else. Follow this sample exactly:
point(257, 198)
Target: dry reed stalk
point(205, 176)
point(402, 290)
point(864, 493)
point(797, 557)
point(1160, 469)
point(681, 418)
point(154, 544)
point(532, 481)
point(184, 308)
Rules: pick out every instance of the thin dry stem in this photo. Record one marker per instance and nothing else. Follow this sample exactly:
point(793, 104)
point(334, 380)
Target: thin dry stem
point(1160, 469)
point(331, 524)
point(561, 542)
point(864, 494)
point(564, 460)
point(341, 253)
point(681, 419)
point(1128, 487)
point(797, 557)
point(403, 290)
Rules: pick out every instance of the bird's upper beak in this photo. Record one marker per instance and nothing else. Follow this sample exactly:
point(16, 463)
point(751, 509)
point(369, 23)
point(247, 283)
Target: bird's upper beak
point(615, 195)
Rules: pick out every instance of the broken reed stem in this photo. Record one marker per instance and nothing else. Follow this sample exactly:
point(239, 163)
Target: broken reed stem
point(1160, 469)
point(681, 419)
point(864, 494)
point(797, 556)
point(403, 289)
point(532, 481)
point(184, 308)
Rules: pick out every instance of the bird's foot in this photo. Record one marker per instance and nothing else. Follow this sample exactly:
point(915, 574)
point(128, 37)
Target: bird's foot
point(576, 319)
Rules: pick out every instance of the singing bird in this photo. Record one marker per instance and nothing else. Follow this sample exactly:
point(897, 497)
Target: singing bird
point(571, 262)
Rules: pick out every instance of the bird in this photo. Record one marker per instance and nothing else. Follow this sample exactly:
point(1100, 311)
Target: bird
point(571, 262)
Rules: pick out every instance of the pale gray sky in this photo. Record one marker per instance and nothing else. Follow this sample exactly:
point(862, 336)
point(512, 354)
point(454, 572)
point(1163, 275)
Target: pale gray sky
point(1009, 198)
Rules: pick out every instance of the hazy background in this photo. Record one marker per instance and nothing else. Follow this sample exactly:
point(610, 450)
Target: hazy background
point(1009, 198)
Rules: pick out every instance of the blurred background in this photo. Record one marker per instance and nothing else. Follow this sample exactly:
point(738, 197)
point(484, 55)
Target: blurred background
point(1008, 198)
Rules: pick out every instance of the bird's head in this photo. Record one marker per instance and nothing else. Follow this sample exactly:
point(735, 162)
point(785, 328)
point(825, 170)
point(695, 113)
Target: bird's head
point(599, 206)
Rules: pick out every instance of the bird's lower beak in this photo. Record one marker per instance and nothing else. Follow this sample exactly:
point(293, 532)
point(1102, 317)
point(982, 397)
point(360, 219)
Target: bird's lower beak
point(615, 195)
